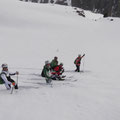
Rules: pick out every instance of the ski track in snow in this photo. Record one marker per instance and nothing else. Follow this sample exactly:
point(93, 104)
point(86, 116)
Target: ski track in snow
point(31, 83)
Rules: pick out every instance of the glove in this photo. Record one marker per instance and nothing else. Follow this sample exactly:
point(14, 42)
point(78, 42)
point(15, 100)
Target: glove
point(13, 83)
point(17, 73)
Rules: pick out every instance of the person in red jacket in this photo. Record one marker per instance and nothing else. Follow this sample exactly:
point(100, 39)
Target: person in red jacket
point(77, 62)
point(58, 70)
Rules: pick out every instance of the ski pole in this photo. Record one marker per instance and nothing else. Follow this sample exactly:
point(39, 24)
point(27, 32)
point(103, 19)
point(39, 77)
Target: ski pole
point(83, 64)
point(17, 79)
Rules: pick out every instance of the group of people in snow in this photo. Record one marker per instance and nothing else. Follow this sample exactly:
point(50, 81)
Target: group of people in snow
point(51, 71)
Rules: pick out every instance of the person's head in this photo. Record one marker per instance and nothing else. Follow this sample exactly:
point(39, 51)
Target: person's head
point(47, 63)
point(55, 58)
point(79, 55)
point(61, 64)
point(4, 67)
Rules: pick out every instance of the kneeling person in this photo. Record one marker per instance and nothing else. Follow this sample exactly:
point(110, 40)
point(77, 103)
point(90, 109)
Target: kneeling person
point(46, 72)
point(57, 72)
point(6, 77)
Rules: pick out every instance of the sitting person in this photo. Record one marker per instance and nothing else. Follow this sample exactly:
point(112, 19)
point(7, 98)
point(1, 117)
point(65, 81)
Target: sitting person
point(46, 72)
point(5, 77)
point(57, 72)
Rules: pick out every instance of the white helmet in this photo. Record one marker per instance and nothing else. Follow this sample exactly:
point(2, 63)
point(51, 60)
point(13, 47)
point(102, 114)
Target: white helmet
point(4, 65)
point(47, 62)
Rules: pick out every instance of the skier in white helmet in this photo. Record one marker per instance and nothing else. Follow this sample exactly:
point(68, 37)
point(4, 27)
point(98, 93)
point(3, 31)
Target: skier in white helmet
point(46, 72)
point(5, 76)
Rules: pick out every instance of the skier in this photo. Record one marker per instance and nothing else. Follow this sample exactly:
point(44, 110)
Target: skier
point(54, 63)
point(77, 62)
point(57, 72)
point(46, 72)
point(5, 77)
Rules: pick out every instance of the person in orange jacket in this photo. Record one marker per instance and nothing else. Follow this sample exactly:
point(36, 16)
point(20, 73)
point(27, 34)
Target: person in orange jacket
point(77, 62)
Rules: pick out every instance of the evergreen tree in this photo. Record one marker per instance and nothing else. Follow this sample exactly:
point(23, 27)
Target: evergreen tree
point(106, 7)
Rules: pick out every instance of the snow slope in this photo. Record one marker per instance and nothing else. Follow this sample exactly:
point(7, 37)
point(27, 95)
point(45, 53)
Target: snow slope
point(32, 33)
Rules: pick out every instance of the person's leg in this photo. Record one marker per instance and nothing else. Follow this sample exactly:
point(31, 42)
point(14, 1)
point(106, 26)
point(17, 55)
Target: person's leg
point(13, 82)
point(48, 80)
point(10, 80)
point(8, 86)
point(78, 68)
point(53, 77)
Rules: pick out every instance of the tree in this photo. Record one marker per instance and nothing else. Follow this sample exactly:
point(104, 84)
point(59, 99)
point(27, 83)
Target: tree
point(106, 7)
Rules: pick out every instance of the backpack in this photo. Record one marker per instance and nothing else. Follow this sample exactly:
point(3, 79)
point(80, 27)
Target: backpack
point(1, 81)
point(75, 61)
point(42, 73)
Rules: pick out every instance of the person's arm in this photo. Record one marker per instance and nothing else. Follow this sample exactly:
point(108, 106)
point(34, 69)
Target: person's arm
point(62, 70)
point(83, 55)
point(52, 64)
point(16, 73)
point(46, 73)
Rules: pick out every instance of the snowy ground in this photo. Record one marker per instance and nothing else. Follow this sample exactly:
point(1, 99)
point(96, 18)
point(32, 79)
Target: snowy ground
point(32, 33)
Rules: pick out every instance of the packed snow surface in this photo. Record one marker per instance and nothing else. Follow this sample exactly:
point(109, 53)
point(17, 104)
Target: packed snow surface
point(32, 33)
